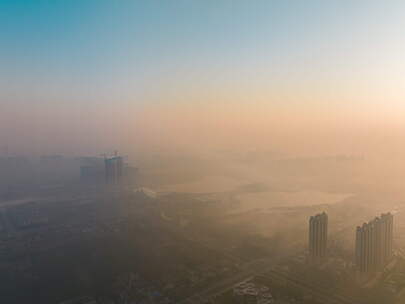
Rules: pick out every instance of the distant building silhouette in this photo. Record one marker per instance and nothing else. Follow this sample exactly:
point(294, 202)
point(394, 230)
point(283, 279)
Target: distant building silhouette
point(92, 169)
point(374, 243)
point(114, 169)
point(318, 236)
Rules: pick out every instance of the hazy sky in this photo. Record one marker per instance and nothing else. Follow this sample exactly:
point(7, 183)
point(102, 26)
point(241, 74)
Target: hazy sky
point(83, 76)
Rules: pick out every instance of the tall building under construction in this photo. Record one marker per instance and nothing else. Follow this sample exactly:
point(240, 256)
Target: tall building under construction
point(374, 243)
point(114, 170)
point(318, 236)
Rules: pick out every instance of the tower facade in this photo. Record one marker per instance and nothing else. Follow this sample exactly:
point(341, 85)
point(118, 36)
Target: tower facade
point(374, 242)
point(318, 236)
point(114, 170)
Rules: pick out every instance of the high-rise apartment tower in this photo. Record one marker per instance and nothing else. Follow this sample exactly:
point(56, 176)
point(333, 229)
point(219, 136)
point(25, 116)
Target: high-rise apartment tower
point(114, 169)
point(318, 236)
point(374, 243)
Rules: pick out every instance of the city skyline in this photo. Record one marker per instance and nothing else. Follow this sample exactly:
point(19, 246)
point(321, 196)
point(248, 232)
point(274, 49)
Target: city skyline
point(202, 152)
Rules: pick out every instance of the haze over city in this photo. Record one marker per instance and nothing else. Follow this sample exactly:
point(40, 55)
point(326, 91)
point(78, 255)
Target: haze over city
point(225, 151)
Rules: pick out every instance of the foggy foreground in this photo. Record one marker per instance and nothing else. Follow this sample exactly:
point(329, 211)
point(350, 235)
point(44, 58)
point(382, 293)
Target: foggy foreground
point(186, 228)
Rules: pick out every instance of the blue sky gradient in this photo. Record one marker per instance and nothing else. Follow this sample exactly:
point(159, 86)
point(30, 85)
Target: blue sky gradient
point(63, 58)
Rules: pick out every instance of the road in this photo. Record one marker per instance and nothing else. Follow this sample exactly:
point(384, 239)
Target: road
point(247, 271)
point(266, 269)
point(318, 293)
